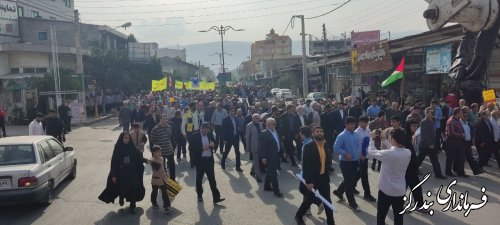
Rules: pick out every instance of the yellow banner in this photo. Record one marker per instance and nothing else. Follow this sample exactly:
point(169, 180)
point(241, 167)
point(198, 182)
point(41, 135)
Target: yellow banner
point(159, 85)
point(204, 85)
point(489, 96)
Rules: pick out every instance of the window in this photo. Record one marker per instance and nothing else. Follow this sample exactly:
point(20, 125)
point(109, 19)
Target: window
point(20, 11)
point(16, 155)
point(40, 70)
point(43, 36)
point(14, 70)
point(48, 154)
point(35, 14)
point(56, 146)
point(28, 70)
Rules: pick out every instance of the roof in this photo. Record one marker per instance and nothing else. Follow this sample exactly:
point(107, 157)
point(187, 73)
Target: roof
point(166, 61)
point(20, 76)
point(20, 140)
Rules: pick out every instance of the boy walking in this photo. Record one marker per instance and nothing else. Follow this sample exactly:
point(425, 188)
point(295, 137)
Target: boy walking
point(158, 179)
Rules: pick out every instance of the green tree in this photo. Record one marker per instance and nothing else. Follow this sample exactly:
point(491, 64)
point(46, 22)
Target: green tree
point(68, 82)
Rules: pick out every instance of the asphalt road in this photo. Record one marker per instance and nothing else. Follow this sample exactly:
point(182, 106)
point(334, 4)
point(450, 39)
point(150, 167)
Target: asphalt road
point(246, 202)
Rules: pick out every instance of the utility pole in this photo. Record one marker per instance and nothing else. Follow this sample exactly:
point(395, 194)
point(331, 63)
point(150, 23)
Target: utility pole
point(305, 85)
point(79, 62)
point(325, 52)
point(55, 64)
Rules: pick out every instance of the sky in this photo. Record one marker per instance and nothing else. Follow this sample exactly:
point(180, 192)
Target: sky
point(177, 22)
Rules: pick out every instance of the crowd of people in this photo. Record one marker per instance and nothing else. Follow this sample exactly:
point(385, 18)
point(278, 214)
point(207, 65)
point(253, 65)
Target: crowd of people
point(311, 133)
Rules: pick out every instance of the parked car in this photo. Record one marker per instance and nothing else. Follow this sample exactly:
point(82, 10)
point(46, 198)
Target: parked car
point(284, 94)
point(315, 96)
point(275, 91)
point(31, 167)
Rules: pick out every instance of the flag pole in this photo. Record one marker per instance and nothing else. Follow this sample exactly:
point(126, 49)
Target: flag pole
point(402, 89)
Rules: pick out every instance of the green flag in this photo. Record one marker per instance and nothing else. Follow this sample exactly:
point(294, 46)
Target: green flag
point(396, 75)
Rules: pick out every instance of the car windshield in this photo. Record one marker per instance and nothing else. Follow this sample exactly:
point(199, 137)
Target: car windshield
point(16, 154)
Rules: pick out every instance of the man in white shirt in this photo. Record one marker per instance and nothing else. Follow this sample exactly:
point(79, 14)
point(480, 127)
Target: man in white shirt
point(392, 183)
point(35, 127)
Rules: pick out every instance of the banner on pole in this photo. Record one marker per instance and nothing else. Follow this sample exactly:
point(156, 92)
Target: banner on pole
point(159, 85)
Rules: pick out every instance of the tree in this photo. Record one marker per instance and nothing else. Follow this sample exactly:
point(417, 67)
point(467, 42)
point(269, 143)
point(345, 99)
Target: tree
point(112, 69)
point(68, 82)
point(131, 38)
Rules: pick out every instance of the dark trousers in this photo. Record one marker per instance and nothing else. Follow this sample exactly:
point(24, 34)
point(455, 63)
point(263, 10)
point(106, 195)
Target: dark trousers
point(189, 135)
point(126, 127)
point(363, 175)
point(206, 166)
point(298, 147)
point(164, 195)
point(469, 156)
point(180, 146)
point(412, 180)
point(171, 165)
point(455, 156)
point(423, 152)
point(290, 149)
point(329, 150)
point(243, 140)
point(349, 172)
point(272, 175)
point(67, 123)
point(233, 143)
point(484, 156)
point(374, 164)
point(384, 203)
point(437, 141)
point(218, 138)
point(323, 186)
point(4, 134)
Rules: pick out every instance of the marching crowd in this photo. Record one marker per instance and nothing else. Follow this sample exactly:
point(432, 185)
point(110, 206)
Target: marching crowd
point(309, 133)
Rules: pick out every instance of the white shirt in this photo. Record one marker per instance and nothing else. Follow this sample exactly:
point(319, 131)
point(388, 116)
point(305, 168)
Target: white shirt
point(275, 135)
point(204, 141)
point(35, 128)
point(394, 164)
point(302, 123)
point(362, 133)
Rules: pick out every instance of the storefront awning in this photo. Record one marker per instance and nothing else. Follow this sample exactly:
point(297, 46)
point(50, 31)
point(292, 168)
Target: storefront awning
point(20, 76)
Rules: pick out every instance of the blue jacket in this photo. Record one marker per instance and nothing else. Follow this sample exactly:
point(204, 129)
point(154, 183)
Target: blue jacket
point(347, 141)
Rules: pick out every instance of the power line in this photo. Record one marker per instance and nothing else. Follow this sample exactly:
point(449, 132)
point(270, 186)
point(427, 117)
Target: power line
point(216, 14)
point(234, 19)
point(180, 10)
point(314, 17)
point(183, 3)
point(163, 4)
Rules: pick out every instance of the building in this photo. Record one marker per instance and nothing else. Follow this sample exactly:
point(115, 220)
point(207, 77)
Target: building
point(142, 52)
point(32, 55)
point(317, 47)
point(61, 10)
point(172, 53)
point(180, 69)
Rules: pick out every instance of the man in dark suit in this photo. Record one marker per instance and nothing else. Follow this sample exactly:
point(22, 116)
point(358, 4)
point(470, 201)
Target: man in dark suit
point(315, 173)
point(338, 119)
point(201, 146)
point(300, 121)
point(231, 138)
point(287, 132)
point(271, 149)
point(484, 139)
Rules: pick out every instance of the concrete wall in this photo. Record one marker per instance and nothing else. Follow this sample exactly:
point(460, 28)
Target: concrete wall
point(48, 9)
point(4, 64)
point(29, 60)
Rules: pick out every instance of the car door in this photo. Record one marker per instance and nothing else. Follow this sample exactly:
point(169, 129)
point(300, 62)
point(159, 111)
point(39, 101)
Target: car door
point(64, 157)
point(52, 161)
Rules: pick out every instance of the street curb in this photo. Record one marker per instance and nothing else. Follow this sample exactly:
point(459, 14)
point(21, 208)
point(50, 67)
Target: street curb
point(97, 120)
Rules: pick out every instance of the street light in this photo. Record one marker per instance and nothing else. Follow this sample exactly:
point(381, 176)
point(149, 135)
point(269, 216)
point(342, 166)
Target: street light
point(222, 31)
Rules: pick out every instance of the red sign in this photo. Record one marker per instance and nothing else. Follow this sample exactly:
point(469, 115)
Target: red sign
point(371, 58)
point(360, 39)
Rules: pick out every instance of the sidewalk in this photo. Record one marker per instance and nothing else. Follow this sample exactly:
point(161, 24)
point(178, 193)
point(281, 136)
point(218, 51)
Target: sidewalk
point(23, 130)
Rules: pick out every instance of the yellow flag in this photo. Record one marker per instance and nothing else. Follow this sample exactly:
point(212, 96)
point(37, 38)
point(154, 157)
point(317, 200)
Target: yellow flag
point(178, 85)
point(159, 85)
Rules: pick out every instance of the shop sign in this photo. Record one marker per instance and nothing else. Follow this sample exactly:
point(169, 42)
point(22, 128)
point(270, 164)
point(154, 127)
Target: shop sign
point(364, 38)
point(8, 18)
point(438, 59)
point(372, 58)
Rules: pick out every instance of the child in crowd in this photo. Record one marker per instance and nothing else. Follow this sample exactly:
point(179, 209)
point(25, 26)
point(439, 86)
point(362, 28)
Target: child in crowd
point(377, 140)
point(158, 180)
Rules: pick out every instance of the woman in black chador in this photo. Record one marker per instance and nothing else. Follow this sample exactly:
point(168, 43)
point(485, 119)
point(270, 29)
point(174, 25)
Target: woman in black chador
point(125, 179)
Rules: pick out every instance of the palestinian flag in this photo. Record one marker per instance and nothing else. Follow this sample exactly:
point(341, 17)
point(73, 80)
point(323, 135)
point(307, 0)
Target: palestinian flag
point(396, 75)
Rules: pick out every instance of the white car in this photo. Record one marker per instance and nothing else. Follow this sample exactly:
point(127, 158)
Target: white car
point(275, 91)
point(284, 94)
point(315, 96)
point(31, 167)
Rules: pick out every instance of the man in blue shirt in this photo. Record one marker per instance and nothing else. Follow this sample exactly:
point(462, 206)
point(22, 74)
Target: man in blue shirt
point(438, 115)
point(373, 110)
point(347, 146)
